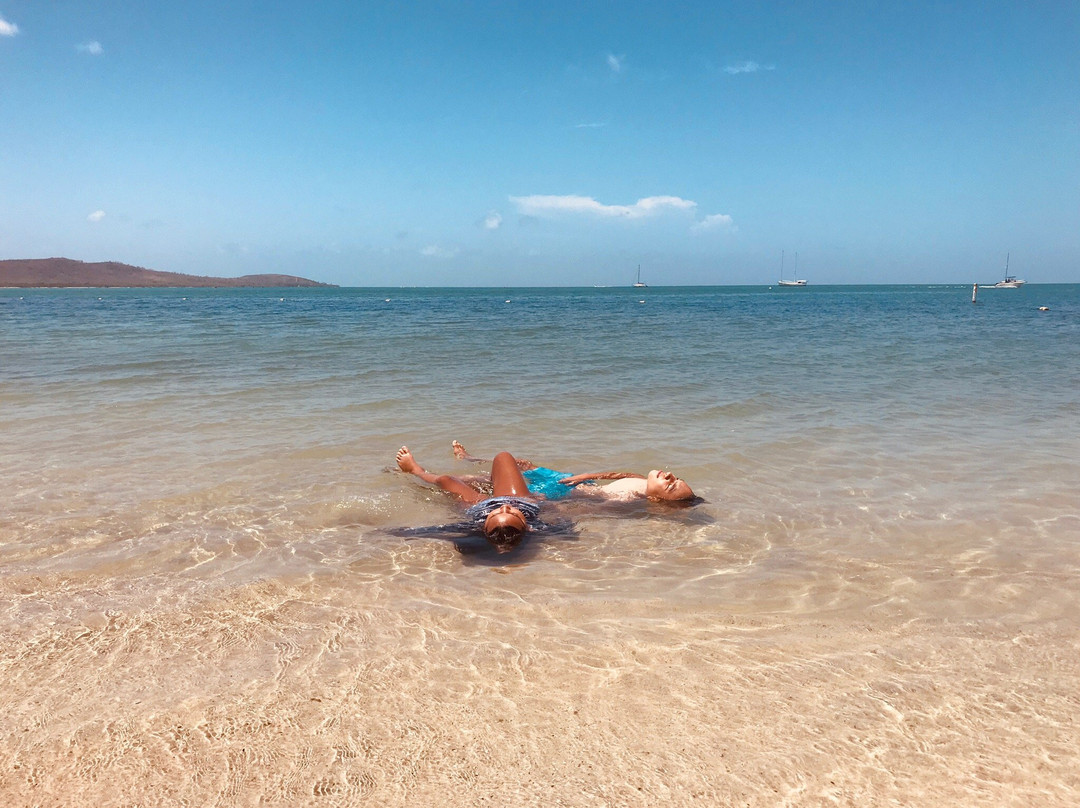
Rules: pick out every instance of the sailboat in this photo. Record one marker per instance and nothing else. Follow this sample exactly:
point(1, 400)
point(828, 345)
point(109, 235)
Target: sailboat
point(794, 281)
point(638, 284)
point(1010, 282)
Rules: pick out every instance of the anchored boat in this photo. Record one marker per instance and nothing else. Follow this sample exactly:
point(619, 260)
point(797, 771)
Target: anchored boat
point(795, 281)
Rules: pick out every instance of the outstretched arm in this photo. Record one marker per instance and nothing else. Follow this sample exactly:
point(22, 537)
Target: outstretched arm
point(576, 479)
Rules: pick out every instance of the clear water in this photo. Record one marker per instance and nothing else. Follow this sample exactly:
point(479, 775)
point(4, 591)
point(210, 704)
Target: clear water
point(197, 484)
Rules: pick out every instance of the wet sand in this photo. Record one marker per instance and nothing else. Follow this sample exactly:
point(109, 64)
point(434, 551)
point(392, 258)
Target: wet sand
point(346, 691)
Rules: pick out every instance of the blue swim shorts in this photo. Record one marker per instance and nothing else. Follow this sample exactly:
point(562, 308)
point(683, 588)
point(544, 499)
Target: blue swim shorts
point(546, 482)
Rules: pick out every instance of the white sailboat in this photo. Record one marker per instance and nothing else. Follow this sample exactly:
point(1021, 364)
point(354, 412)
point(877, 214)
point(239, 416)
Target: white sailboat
point(1010, 282)
point(638, 284)
point(794, 280)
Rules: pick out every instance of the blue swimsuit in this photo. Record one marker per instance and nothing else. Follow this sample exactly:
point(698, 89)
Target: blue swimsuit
point(546, 482)
point(479, 512)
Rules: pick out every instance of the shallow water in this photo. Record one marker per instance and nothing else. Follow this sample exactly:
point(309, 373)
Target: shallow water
point(876, 603)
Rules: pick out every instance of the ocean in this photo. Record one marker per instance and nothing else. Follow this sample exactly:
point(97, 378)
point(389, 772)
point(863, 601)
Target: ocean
point(202, 601)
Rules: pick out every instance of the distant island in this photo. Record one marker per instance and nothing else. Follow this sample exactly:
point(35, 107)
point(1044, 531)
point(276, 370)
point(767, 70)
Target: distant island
point(66, 272)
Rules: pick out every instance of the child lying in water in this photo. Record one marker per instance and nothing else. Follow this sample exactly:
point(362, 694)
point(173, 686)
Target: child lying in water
point(657, 484)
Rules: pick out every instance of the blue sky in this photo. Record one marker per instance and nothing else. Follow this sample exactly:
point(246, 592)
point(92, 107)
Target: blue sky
point(545, 144)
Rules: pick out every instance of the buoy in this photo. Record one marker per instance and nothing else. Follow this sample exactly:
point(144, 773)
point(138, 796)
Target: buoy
point(387, 300)
point(974, 291)
point(507, 301)
point(1044, 308)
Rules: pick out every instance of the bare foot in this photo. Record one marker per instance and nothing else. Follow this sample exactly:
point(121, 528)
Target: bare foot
point(406, 462)
point(461, 453)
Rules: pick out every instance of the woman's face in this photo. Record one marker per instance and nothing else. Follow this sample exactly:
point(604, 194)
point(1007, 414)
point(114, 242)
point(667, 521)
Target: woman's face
point(504, 527)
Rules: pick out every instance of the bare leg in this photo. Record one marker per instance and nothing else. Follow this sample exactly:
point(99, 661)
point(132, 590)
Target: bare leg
point(407, 463)
point(475, 479)
point(506, 479)
point(461, 453)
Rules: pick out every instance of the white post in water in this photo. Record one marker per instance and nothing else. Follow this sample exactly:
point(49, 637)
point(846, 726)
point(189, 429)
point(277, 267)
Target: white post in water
point(974, 291)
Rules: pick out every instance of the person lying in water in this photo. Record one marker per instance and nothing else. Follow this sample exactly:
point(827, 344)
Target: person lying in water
point(624, 485)
point(502, 518)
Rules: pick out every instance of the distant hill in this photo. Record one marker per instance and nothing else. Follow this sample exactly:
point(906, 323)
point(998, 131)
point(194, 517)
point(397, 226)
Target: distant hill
point(56, 272)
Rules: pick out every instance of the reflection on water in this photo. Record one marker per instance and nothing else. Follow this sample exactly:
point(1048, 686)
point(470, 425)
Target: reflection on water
point(200, 595)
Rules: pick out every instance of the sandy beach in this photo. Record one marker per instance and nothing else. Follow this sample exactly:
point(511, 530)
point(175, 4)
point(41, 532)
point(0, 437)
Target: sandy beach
point(201, 602)
point(302, 694)
point(814, 262)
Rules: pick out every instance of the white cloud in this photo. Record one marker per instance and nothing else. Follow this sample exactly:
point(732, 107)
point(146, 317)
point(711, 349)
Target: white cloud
point(747, 67)
point(96, 216)
point(93, 48)
point(8, 28)
point(437, 251)
point(492, 220)
point(717, 221)
point(589, 125)
point(615, 62)
point(541, 205)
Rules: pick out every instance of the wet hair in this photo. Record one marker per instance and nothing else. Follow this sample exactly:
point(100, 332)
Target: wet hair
point(505, 537)
point(679, 503)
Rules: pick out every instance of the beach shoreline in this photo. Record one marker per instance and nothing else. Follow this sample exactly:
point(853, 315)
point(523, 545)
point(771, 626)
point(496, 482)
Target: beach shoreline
point(296, 693)
point(202, 601)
